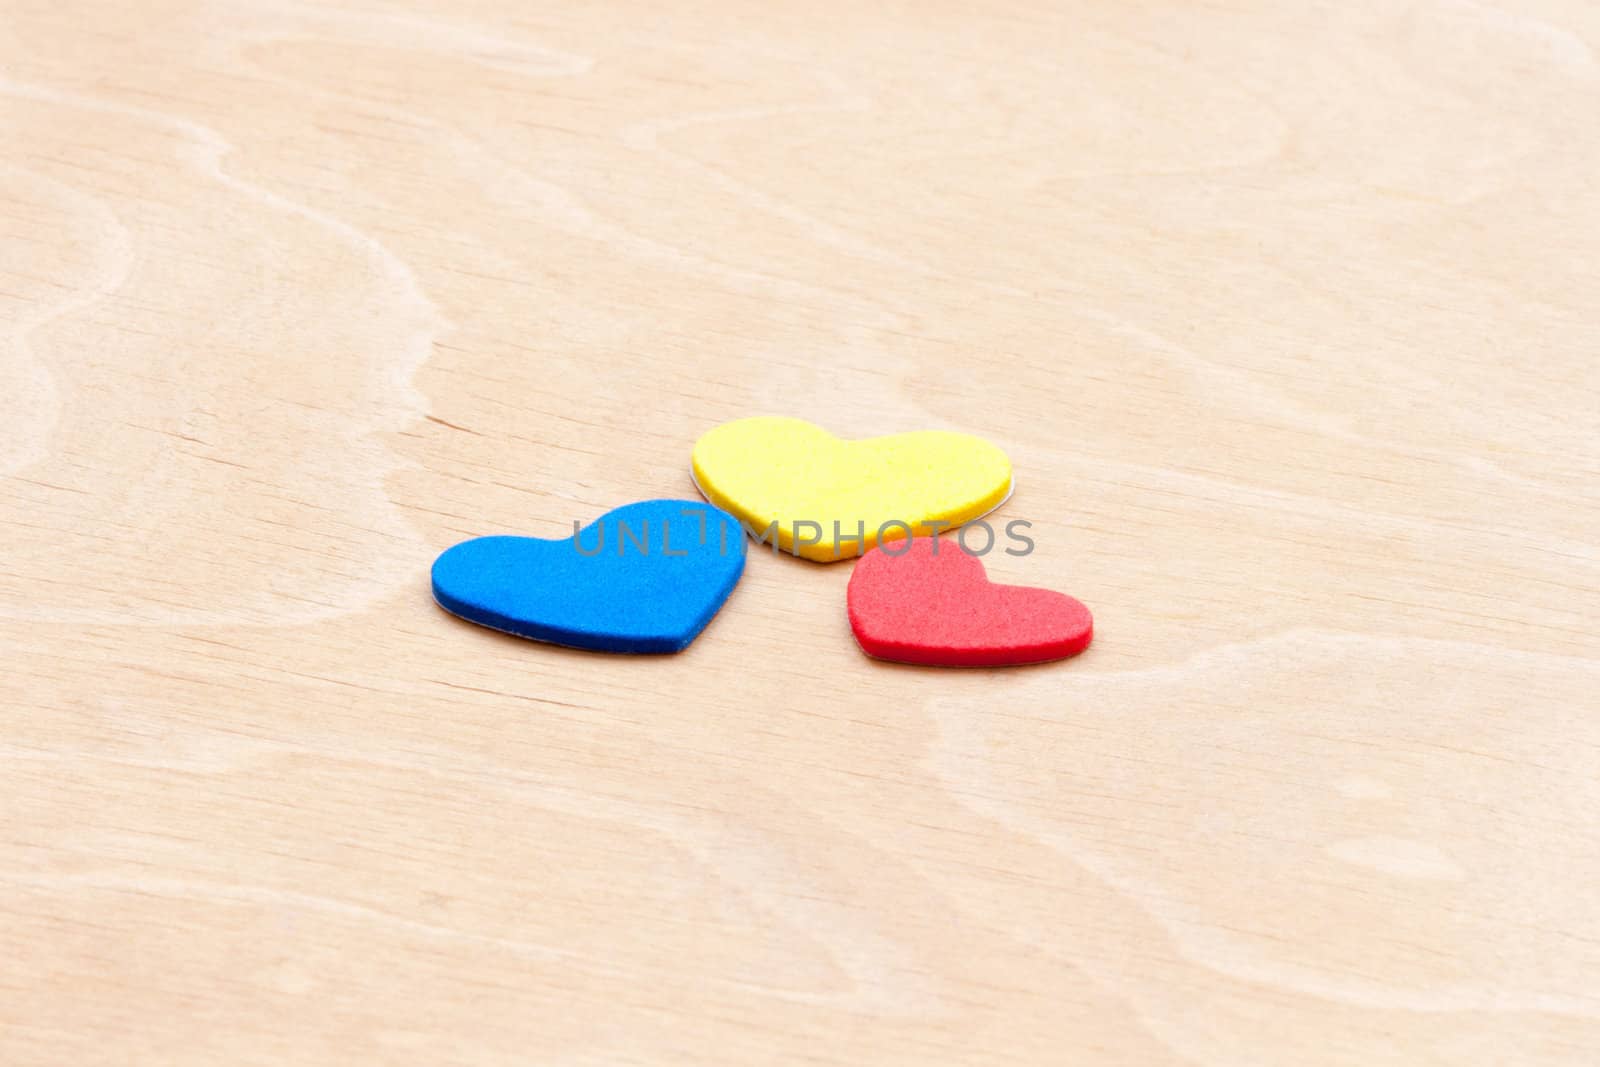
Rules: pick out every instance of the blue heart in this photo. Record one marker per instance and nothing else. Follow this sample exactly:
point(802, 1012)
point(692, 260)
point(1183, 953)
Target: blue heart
point(646, 577)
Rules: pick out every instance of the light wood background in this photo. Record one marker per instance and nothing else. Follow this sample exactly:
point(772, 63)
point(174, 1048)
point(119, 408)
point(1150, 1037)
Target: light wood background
point(1287, 314)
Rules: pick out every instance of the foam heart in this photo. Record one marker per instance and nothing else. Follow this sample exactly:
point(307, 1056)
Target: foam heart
point(929, 602)
point(768, 470)
point(646, 577)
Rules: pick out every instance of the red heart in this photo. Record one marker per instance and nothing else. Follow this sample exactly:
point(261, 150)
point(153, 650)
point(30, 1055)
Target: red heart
point(930, 602)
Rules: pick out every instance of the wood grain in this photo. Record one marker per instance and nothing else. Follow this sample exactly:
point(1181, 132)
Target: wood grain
point(1285, 313)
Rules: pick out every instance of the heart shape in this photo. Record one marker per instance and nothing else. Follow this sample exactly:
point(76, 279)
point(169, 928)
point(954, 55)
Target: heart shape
point(646, 577)
point(771, 471)
point(927, 601)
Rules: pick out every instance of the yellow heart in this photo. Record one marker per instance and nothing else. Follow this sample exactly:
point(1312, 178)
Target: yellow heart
point(770, 471)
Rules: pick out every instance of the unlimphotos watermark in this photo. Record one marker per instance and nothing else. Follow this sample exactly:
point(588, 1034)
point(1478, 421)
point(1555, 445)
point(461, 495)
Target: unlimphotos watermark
point(975, 538)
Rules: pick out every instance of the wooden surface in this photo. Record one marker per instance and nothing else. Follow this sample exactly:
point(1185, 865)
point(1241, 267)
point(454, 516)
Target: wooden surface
point(1285, 313)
